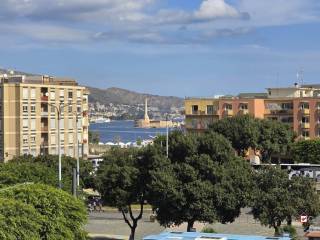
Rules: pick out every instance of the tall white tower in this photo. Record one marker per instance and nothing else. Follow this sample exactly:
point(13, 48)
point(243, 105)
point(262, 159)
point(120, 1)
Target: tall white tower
point(146, 117)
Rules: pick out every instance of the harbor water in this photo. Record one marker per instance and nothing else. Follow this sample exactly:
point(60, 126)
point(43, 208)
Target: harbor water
point(124, 131)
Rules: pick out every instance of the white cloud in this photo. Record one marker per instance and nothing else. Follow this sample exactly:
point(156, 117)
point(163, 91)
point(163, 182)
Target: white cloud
point(211, 9)
point(145, 21)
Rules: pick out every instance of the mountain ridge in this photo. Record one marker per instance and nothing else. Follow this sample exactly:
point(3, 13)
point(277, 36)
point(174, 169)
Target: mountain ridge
point(117, 95)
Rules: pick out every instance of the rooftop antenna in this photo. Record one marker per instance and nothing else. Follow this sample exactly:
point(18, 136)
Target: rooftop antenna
point(300, 76)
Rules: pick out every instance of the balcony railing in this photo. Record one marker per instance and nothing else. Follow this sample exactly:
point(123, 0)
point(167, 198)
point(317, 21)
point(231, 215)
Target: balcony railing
point(44, 98)
point(305, 111)
point(305, 125)
point(228, 112)
point(44, 128)
point(44, 113)
point(244, 111)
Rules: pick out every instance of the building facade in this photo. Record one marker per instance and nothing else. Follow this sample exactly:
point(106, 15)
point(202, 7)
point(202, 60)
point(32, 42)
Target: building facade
point(298, 106)
point(30, 107)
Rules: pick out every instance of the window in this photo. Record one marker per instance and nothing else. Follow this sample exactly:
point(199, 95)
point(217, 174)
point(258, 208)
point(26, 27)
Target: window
point(70, 149)
point(304, 105)
point(228, 106)
point(53, 150)
point(33, 108)
point(33, 152)
point(286, 106)
point(25, 108)
point(61, 93)
point(25, 123)
point(33, 124)
point(78, 94)
point(62, 123)
point(53, 139)
point(0, 124)
point(70, 138)
point(70, 94)
point(25, 139)
point(79, 123)
point(52, 123)
point(210, 109)
point(53, 109)
point(25, 93)
point(70, 108)
point(52, 95)
point(33, 93)
point(244, 106)
point(305, 119)
point(287, 119)
point(305, 133)
point(70, 123)
point(33, 139)
point(195, 109)
point(62, 137)
point(25, 151)
point(78, 109)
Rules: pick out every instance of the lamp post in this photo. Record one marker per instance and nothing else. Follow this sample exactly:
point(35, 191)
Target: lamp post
point(59, 109)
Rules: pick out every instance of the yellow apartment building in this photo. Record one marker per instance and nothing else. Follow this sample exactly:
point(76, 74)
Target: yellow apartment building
point(297, 105)
point(30, 107)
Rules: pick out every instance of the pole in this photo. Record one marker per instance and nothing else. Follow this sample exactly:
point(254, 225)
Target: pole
point(74, 182)
point(78, 163)
point(59, 147)
point(167, 138)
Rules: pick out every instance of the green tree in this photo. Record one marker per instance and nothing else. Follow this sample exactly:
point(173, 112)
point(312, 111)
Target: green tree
point(19, 220)
point(122, 180)
point(275, 138)
point(242, 131)
point(278, 199)
point(206, 183)
point(50, 162)
point(306, 151)
point(62, 215)
point(12, 173)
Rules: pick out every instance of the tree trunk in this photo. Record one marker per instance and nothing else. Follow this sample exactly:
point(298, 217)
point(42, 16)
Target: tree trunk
point(133, 231)
point(190, 225)
point(277, 229)
point(289, 221)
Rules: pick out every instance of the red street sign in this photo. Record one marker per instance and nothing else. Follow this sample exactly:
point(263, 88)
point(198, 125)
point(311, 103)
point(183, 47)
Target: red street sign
point(303, 218)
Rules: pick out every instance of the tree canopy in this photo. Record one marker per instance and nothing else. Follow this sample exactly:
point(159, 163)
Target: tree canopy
point(199, 184)
point(245, 132)
point(242, 131)
point(306, 151)
point(278, 198)
point(54, 213)
point(12, 173)
point(19, 220)
point(38, 165)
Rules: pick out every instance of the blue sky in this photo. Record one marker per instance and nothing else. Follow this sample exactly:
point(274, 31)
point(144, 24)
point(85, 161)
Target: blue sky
point(166, 47)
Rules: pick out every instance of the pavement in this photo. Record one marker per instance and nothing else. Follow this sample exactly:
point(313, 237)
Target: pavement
point(110, 225)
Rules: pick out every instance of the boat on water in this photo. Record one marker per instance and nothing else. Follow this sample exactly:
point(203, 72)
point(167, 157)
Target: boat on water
point(100, 120)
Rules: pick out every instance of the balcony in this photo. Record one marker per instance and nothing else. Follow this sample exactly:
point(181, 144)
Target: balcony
point(305, 111)
point(44, 128)
point(44, 98)
point(44, 114)
point(244, 111)
point(228, 112)
point(305, 125)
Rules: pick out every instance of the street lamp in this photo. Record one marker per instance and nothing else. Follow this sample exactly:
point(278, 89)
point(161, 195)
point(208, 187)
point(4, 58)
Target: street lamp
point(59, 109)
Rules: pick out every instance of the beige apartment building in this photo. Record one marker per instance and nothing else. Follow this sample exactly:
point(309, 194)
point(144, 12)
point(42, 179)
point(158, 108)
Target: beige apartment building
point(29, 110)
point(298, 106)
